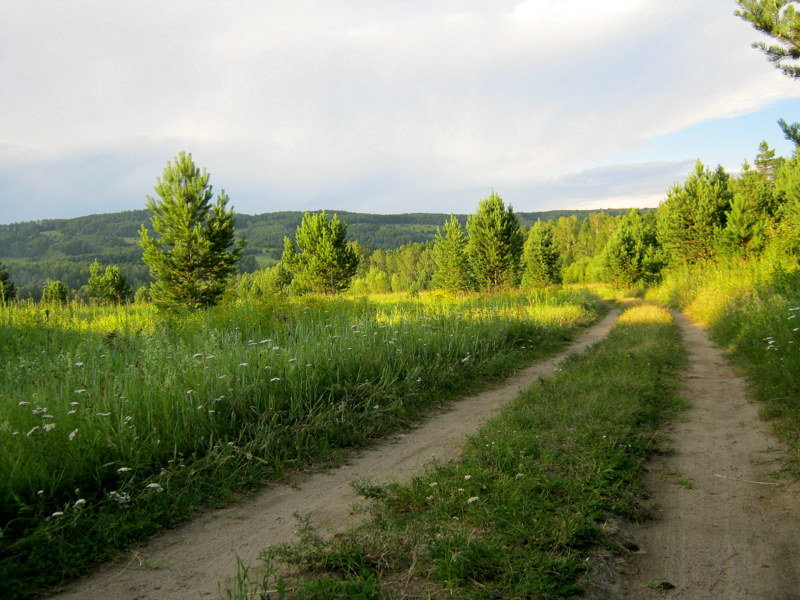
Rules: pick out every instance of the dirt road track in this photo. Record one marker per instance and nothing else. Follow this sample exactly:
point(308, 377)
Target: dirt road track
point(724, 527)
point(186, 563)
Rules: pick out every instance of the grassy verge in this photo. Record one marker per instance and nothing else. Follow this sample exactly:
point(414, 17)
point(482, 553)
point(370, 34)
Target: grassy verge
point(115, 423)
point(753, 310)
point(520, 514)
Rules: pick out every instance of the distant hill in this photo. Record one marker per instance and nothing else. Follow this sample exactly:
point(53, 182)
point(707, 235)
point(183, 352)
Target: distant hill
point(63, 248)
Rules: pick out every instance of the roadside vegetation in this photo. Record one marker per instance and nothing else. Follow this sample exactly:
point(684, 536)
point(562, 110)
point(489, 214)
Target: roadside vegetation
point(522, 513)
point(118, 420)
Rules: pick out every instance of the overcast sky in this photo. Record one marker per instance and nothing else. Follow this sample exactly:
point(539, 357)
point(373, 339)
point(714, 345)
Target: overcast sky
point(394, 106)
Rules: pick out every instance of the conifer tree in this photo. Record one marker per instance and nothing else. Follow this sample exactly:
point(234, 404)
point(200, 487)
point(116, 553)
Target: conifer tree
point(780, 20)
point(321, 258)
point(8, 291)
point(766, 163)
point(450, 255)
point(693, 214)
point(195, 254)
point(745, 227)
point(495, 244)
point(541, 259)
point(630, 255)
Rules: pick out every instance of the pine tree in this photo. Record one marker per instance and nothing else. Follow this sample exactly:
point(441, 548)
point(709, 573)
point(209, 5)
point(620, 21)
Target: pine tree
point(55, 292)
point(766, 163)
point(321, 258)
point(495, 244)
point(693, 215)
point(8, 291)
point(541, 258)
point(450, 256)
point(780, 20)
point(745, 227)
point(195, 254)
point(630, 253)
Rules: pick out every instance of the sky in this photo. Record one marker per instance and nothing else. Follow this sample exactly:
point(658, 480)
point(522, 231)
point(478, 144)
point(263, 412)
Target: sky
point(388, 107)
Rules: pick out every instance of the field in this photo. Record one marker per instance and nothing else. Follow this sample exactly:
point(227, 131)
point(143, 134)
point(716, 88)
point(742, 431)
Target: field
point(117, 421)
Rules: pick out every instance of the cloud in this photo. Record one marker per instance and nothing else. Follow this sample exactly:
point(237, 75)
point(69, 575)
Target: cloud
point(397, 106)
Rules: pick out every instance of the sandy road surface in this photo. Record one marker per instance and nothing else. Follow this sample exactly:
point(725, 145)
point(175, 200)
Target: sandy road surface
point(735, 533)
point(186, 563)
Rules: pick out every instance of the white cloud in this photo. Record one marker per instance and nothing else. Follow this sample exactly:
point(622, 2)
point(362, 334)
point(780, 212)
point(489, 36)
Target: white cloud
point(376, 104)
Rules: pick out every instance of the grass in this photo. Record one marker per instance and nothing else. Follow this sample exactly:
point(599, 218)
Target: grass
point(752, 310)
point(520, 515)
point(117, 422)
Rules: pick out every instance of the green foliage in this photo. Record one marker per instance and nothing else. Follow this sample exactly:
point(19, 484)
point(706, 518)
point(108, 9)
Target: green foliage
point(8, 291)
point(450, 255)
point(109, 286)
point(264, 283)
point(693, 215)
point(195, 254)
point(322, 259)
point(781, 21)
point(142, 294)
point(495, 244)
point(541, 260)
point(766, 163)
point(55, 292)
point(786, 237)
point(631, 254)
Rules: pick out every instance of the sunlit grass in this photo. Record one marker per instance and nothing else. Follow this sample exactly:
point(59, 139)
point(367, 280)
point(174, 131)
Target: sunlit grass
point(120, 415)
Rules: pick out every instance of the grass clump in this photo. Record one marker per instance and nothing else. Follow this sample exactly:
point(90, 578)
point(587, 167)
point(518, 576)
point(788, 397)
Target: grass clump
point(115, 423)
point(521, 512)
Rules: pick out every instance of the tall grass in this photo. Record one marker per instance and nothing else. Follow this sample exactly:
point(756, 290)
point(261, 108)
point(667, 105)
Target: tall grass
point(116, 421)
point(753, 310)
point(522, 513)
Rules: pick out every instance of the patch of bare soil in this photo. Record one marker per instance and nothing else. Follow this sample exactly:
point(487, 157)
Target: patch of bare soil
point(188, 562)
point(724, 527)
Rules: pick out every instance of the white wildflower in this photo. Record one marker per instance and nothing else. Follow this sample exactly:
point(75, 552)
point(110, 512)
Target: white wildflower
point(473, 500)
point(58, 513)
point(49, 426)
point(72, 412)
point(78, 364)
point(80, 391)
point(189, 392)
point(467, 477)
point(154, 486)
point(198, 355)
point(72, 435)
point(275, 379)
point(104, 414)
point(434, 484)
point(428, 497)
point(74, 403)
point(23, 403)
point(210, 356)
point(292, 360)
point(123, 469)
point(244, 364)
point(32, 431)
point(459, 490)
point(79, 502)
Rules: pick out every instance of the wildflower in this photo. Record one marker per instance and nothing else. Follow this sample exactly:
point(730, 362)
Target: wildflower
point(248, 456)
point(434, 484)
point(23, 403)
point(222, 376)
point(32, 431)
point(72, 435)
point(473, 500)
point(428, 497)
point(72, 412)
point(292, 360)
point(40, 493)
point(128, 419)
point(49, 426)
point(154, 486)
point(309, 365)
point(519, 476)
point(104, 414)
point(79, 364)
point(467, 477)
point(210, 356)
point(79, 502)
point(276, 347)
point(465, 359)
point(80, 391)
point(189, 392)
point(198, 355)
point(459, 490)
point(119, 498)
point(123, 469)
point(74, 403)
point(244, 364)
point(275, 379)
point(58, 513)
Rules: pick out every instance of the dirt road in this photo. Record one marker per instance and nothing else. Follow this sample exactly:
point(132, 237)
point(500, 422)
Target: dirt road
point(725, 528)
point(188, 562)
